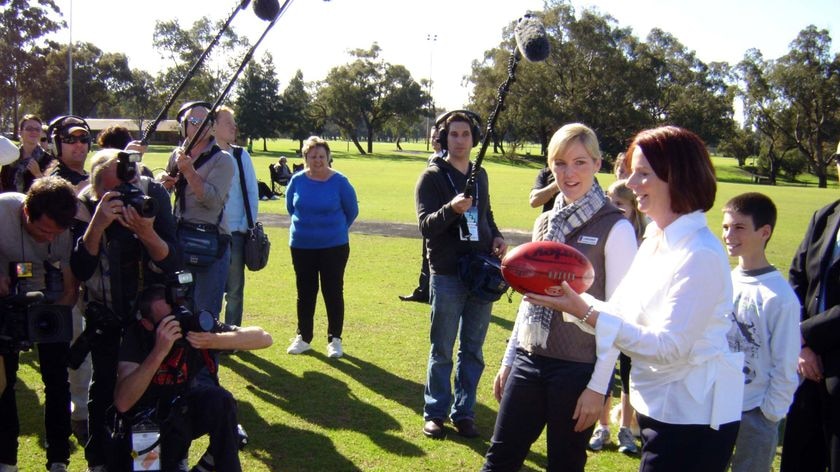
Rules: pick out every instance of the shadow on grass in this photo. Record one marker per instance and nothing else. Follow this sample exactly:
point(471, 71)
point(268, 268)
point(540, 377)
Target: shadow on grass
point(503, 323)
point(403, 391)
point(323, 401)
point(281, 447)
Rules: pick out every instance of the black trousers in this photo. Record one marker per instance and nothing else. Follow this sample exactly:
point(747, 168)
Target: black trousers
point(209, 410)
point(328, 265)
point(52, 358)
point(685, 447)
point(540, 392)
point(812, 430)
point(104, 353)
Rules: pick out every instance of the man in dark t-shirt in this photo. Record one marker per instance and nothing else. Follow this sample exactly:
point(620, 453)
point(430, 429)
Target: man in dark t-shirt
point(544, 191)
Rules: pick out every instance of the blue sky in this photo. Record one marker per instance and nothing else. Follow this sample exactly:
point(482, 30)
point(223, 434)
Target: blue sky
point(314, 35)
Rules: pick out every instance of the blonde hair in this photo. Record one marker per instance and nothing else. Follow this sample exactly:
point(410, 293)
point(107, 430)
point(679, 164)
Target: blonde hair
point(313, 142)
point(620, 190)
point(98, 163)
point(225, 108)
point(567, 135)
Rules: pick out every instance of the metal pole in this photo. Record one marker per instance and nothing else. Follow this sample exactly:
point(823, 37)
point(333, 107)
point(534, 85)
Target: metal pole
point(70, 65)
point(432, 38)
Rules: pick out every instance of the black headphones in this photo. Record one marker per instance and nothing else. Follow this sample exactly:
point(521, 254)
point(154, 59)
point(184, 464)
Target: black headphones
point(443, 131)
point(59, 124)
point(182, 123)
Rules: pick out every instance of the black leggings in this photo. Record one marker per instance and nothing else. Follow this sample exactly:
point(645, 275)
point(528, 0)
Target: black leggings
point(329, 263)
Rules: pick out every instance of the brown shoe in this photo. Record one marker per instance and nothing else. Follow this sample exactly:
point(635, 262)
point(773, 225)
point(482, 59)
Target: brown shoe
point(466, 428)
point(434, 428)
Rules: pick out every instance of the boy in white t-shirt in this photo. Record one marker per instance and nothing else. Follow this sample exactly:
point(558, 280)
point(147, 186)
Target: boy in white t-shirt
point(765, 327)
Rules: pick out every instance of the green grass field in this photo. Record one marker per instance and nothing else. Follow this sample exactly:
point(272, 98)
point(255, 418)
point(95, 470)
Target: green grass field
point(364, 411)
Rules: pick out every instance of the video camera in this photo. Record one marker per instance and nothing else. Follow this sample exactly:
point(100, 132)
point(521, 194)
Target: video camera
point(176, 295)
point(131, 195)
point(25, 319)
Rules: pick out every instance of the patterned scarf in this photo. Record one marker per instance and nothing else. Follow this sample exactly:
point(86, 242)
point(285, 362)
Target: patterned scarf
point(535, 321)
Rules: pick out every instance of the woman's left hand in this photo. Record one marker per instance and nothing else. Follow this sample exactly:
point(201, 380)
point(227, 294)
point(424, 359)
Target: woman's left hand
point(588, 409)
point(569, 302)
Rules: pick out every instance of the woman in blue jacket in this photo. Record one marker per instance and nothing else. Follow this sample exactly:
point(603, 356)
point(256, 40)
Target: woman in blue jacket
point(322, 205)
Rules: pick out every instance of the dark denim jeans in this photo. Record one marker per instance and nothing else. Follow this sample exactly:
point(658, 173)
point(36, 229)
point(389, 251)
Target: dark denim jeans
point(455, 313)
point(235, 286)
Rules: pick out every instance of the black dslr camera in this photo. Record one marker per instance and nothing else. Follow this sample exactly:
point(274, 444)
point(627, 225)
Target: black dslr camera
point(176, 294)
point(25, 320)
point(129, 194)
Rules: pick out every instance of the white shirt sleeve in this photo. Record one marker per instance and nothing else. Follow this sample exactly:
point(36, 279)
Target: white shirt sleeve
point(782, 317)
point(619, 250)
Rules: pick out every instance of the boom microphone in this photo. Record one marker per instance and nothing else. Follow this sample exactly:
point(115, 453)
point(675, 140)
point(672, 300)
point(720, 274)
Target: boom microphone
point(266, 9)
point(530, 38)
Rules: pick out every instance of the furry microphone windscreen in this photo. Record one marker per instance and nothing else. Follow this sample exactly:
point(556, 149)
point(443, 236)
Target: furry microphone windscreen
point(266, 9)
point(531, 38)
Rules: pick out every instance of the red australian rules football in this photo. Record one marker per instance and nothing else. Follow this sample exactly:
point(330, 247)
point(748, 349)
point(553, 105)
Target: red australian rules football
point(542, 266)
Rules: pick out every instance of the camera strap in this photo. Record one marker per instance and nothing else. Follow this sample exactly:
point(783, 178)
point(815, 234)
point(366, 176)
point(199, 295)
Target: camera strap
point(237, 154)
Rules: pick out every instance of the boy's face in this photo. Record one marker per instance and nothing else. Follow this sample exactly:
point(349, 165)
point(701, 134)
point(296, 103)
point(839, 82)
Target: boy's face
point(740, 237)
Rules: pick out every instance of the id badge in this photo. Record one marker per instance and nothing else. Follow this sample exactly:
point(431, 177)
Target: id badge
point(469, 230)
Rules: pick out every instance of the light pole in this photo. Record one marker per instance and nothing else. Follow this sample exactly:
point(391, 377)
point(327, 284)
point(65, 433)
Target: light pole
point(431, 38)
point(70, 65)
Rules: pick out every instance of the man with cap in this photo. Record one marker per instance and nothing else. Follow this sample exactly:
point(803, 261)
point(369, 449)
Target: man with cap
point(70, 137)
point(202, 180)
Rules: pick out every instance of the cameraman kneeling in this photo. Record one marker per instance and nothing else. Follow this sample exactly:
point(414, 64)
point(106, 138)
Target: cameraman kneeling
point(126, 241)
point(159, 361)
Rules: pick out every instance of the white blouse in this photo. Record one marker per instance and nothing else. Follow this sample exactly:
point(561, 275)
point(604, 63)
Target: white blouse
point(669, 316)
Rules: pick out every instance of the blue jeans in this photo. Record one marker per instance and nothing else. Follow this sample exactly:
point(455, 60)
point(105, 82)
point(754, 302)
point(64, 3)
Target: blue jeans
point(235, 287)
point(755, 446)
point(540, 392)
point(209, 284)
point(454, 313)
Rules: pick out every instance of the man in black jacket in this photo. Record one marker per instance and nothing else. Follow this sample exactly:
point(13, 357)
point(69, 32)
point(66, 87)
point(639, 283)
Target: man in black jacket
point(454, 225)
point(118, 253)
point(812, 435)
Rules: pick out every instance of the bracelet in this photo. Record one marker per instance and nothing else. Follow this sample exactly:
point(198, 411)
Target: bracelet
point(589, 312)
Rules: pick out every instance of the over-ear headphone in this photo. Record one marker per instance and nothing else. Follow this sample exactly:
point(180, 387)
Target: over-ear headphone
point(182, 123)
point(59, 125)
point(443, 131)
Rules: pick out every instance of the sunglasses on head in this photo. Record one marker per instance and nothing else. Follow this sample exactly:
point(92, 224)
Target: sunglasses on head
point(76, 139)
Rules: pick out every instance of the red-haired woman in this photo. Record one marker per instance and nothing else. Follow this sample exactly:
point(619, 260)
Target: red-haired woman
point(669, 312)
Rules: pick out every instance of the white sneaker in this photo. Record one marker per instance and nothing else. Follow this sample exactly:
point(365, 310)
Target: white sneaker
point(58, 467)
point(8, 468)
point(97, 468)
point(298, 346)
point(334, 348)
point(600, 437)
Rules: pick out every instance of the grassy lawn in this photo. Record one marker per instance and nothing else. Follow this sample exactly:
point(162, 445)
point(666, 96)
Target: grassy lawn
point(364, 411)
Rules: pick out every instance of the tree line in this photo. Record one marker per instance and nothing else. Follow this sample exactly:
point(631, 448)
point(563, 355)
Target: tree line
point(598, 72)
